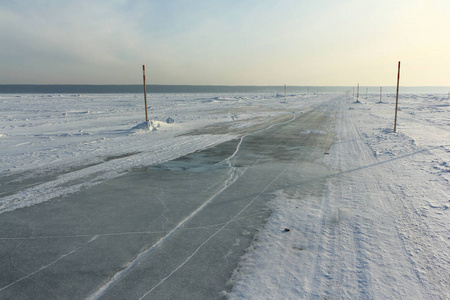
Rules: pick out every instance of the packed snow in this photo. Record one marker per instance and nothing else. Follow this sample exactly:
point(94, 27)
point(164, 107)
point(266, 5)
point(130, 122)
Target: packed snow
point(380, 230)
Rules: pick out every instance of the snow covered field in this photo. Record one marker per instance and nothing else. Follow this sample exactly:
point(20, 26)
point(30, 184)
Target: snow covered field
point(380, 230)
point(62, 143)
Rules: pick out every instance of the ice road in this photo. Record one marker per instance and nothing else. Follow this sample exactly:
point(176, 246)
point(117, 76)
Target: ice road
point(172, 230)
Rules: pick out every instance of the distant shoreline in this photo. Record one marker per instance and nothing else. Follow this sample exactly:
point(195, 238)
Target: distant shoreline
point(151, 88)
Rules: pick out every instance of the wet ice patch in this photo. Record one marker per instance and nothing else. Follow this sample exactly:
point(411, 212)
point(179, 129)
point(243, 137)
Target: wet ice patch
point(196, 162)
point(188, 166)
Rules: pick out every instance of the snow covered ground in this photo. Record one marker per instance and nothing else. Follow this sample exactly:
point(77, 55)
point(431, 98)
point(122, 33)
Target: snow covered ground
point(380, 230)
point(58, 144)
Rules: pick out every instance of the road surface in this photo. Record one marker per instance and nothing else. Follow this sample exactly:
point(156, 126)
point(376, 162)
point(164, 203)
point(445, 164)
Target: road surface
point(177, 230)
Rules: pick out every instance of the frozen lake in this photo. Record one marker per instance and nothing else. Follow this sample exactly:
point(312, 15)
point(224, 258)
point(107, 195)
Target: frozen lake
point(92, 207)
point(171, 229)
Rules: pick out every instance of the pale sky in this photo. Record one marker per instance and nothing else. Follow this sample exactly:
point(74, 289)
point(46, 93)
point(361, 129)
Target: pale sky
point(225, 42)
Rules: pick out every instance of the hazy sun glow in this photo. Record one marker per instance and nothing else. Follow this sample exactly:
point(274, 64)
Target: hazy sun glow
point(298, 42)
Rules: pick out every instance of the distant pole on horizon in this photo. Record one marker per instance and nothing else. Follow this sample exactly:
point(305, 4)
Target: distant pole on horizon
point(396, 98)
point(357, 93)
point(145, 93)
point(381, 91)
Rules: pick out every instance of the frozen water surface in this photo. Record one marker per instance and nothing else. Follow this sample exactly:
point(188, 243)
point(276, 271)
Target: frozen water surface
point(170, 230)
point(93, 209)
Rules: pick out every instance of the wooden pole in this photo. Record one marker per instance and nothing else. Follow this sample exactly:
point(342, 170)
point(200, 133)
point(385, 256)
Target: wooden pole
point(357, 93)
point(381, 91)
point(396, 98)
point(145, 93)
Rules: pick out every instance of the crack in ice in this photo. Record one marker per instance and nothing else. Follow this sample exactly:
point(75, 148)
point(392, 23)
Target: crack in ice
point(50, 264)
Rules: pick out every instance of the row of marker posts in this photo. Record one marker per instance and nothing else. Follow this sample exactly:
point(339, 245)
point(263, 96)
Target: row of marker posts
point(367, 89)
point(307, 92)
point(381, 91)
point(357, 95)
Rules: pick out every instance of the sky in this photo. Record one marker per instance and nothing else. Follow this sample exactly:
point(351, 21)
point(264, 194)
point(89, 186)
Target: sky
point(225, 42)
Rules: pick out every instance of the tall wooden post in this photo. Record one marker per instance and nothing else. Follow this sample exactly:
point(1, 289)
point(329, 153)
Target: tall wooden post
point(396, 98)
point(381, 91)
point(145, 93)
point(357, 93)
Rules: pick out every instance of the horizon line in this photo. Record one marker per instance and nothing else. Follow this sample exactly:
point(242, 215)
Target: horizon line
point(212, 85)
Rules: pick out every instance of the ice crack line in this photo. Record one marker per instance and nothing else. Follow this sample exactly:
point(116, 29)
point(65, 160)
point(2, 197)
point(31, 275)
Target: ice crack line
point(48, 265)
point(213, 235)
point(234, 176)
point(235, 217)
point(228, 160)
point(143, 255)
point(81, 235)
